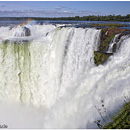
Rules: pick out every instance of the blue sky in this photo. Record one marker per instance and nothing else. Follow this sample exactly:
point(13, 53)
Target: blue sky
point(63, 8)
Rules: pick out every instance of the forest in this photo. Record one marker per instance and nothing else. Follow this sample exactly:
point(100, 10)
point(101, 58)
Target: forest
point(76, 18)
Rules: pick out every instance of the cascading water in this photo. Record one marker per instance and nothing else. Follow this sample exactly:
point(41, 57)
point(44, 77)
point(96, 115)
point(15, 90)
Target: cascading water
point(51, 81)
point(112, 43)
point(116, 42)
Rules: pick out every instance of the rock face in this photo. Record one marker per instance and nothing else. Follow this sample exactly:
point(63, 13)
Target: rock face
point(126, 32)
point(107, 35)
point(27, 31)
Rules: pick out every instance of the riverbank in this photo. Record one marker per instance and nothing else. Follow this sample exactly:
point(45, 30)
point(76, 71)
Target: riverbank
point(76, 18)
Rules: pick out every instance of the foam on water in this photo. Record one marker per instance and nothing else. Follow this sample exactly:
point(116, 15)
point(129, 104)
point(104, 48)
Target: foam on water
point(52, 81)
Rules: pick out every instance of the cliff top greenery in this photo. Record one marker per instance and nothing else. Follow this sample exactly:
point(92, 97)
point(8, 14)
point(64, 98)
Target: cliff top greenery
point(108, 25)
point(77, 18)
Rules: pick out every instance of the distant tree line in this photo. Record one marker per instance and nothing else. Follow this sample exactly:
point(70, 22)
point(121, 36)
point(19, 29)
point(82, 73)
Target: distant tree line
point(76, 18)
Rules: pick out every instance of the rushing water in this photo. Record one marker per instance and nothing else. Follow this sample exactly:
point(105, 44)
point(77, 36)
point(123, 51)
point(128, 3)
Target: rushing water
point(48, 78)
point(62, 23)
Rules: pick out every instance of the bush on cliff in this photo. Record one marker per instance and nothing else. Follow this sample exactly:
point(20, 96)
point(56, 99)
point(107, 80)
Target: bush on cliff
point(121, 120)
point(101, 57)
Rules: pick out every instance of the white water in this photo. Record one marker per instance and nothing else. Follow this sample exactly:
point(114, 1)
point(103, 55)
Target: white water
point(112, 43)
point(118, 43)
point(52, 81)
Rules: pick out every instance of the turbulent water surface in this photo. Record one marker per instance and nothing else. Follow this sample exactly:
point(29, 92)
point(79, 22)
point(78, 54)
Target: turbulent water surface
point(48, 78)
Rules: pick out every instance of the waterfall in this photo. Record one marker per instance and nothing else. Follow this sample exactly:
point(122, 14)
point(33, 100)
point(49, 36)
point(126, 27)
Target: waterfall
point(114, 41)
point(51, 81)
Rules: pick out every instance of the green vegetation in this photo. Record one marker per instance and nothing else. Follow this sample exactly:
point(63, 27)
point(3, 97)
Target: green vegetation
point(121, 120)
point(101, 57)
point(108, 25)
point(77, 18)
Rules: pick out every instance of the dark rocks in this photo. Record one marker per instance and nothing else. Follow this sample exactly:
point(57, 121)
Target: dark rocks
point(22, 32)
point(114, 48)
point(27, 31)
point(126, 32)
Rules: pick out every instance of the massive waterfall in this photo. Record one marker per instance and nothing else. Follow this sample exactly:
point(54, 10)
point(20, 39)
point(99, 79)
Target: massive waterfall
point(48, 78)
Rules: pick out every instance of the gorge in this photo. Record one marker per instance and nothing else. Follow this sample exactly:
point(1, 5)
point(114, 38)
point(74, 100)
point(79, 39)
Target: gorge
point(49, 77)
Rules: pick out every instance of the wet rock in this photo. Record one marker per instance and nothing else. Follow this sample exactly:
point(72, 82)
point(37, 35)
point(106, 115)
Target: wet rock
point(127, 32)
point(107, 35)
point(27, 31)
point(114, 48)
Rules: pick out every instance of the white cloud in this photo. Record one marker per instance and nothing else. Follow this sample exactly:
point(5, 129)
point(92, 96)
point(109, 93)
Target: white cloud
point(45, 13)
